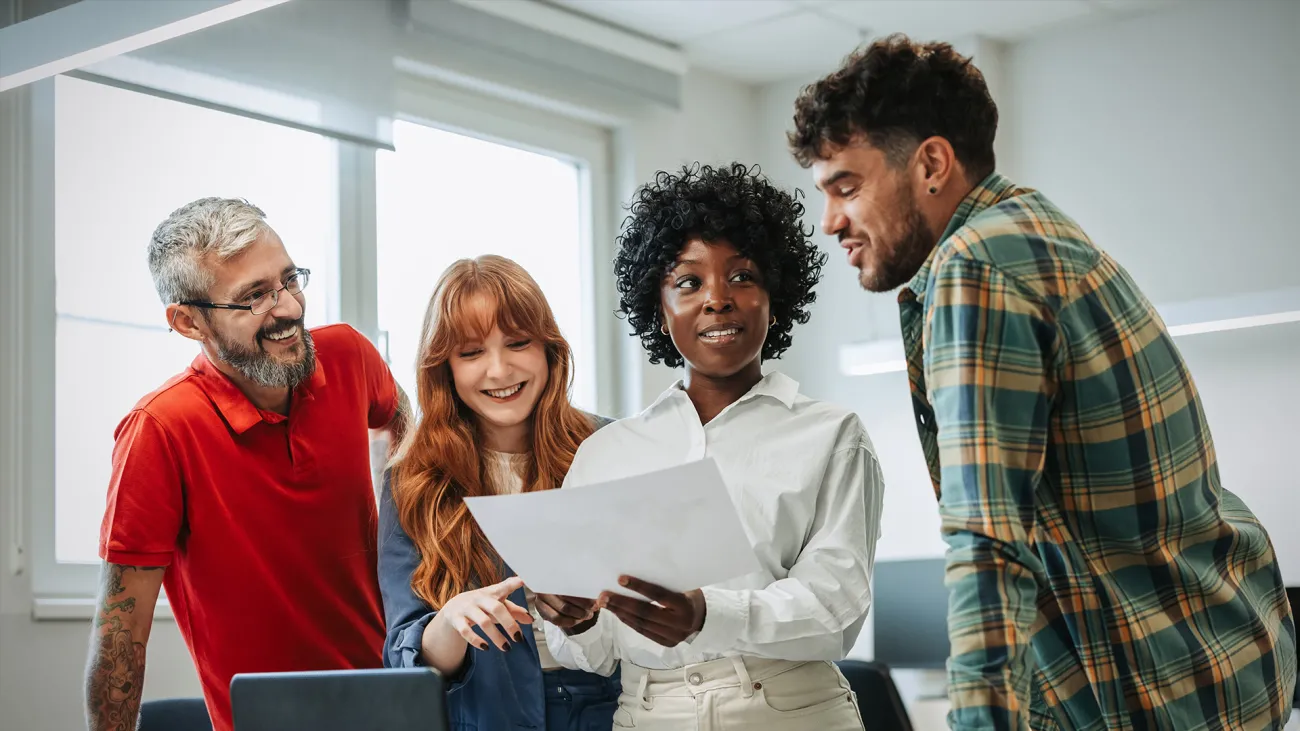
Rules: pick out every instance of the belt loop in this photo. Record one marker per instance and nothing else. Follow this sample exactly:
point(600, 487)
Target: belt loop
point(746, 685)
point(642, 689)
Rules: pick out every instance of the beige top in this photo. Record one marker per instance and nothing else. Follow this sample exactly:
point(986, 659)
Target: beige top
point(505, 473)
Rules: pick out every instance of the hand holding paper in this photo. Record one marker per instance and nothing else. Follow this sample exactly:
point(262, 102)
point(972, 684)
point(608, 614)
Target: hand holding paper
point(668, 618)
point(571, 614)
point(675, 528)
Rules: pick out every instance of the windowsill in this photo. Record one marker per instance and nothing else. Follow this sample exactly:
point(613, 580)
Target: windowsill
point(82, 609)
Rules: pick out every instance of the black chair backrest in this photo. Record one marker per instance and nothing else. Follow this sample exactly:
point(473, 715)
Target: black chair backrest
point(878, 699)
point(175, 714)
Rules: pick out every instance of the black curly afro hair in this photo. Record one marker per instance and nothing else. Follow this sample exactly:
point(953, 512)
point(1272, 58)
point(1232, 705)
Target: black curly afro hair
point(732, 203)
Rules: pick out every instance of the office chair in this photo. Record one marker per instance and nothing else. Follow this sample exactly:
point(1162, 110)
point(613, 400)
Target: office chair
point(878, 699)
point(175, 714)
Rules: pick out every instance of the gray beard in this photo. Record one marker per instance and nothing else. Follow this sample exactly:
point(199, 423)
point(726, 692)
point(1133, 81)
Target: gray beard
point(258, 366)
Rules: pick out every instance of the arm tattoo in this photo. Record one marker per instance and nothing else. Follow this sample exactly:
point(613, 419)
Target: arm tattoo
point(115, 677)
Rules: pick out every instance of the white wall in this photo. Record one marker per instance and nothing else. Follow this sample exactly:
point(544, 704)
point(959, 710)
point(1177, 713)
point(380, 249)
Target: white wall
point(718, 124)
point(1182, 171)
point(1168, 136)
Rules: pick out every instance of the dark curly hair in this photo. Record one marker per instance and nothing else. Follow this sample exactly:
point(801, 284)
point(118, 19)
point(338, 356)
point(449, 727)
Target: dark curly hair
point(897, 93)
point(733, 203)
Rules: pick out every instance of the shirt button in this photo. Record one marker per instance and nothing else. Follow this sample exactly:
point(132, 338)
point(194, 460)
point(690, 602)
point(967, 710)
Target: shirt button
point(695, 679)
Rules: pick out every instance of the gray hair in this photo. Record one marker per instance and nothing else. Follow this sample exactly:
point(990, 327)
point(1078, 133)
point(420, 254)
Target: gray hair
point(206, 228)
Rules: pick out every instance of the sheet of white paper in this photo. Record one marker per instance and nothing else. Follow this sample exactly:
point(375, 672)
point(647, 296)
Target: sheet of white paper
point(676, 527)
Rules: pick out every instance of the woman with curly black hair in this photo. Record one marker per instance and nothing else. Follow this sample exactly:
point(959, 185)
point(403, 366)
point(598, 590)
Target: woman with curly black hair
point(714, 270)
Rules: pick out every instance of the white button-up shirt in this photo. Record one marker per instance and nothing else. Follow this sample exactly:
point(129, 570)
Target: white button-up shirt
point(808, 489)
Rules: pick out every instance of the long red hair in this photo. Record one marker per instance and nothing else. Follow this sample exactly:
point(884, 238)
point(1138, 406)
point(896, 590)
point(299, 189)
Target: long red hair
point(441, 461)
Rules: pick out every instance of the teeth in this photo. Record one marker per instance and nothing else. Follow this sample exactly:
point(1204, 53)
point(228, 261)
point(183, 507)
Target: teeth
point(505, 392)
point(282, 334)
point(721, 333)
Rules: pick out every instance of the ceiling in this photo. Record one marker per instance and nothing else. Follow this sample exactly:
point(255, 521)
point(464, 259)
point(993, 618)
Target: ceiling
point(759, 41)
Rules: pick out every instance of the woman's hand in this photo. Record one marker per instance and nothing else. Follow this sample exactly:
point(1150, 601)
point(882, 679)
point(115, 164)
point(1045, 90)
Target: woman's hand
point(668, 619)
point(489, 610)
point(569, 613)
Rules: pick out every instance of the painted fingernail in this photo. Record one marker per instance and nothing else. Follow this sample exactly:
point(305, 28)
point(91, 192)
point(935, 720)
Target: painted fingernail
point(505, 647)
point(482, 645)
point(519, 637)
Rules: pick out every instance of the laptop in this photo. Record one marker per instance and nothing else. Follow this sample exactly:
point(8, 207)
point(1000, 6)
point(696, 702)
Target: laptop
point(406, 699)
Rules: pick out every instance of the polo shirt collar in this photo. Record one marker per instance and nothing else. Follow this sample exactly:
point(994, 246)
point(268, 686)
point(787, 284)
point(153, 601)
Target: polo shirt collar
point(235, 407)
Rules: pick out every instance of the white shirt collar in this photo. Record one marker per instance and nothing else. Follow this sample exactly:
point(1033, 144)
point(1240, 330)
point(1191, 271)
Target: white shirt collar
point(775, 385)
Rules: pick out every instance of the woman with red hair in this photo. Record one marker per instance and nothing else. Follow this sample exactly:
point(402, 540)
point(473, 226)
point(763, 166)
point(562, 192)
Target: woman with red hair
point(492, 380)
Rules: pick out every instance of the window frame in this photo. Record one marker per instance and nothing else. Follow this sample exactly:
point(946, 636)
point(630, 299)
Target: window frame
point(66, 591)
point(27, 326)
point(587, 146)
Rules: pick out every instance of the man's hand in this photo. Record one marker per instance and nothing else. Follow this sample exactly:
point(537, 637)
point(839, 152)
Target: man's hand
point(569, 613)
point(668, 619)
point(115, 675)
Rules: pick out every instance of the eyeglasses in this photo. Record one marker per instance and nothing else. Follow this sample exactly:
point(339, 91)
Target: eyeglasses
point(260, 303)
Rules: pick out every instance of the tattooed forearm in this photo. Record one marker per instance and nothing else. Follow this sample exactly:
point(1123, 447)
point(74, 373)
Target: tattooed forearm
point(115, 676)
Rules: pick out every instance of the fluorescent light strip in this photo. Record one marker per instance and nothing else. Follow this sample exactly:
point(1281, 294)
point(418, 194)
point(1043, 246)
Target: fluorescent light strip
point(876, 368)
point(851, 366)
point(1235, 323)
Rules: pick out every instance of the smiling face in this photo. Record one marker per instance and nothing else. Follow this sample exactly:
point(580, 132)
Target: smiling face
point(871, 206)
point(500, 377)
point(715, 308)
point(273, 349)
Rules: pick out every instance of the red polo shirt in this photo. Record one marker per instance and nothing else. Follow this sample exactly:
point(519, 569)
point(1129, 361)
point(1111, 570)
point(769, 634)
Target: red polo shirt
point(266, 524)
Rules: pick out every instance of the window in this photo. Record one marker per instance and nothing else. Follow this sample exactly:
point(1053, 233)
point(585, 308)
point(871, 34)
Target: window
point(109, 164)
point(123, 162)
point(445, 196)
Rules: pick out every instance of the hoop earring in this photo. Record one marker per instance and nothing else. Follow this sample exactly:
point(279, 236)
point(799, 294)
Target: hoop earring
point(664, 328)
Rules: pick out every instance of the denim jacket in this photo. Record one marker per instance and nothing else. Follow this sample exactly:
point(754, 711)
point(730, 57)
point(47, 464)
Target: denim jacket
point(495, 690)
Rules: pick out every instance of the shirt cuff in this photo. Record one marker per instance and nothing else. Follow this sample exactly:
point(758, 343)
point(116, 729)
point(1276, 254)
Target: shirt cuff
point(408, 652)
point(574, 651)
point(407, 647)
point(726, 613)
point(135, 558)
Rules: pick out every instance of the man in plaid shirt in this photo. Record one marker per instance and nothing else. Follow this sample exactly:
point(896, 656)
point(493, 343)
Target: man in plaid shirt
point(1101, 577)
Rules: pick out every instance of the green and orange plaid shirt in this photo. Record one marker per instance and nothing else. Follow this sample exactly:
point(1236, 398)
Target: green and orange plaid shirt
point(1101, 577)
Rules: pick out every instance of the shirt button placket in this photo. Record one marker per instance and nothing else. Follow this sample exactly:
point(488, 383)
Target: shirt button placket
point(699, 434)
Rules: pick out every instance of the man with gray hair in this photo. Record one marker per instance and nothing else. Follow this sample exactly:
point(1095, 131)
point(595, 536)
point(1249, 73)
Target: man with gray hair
point(243, 484)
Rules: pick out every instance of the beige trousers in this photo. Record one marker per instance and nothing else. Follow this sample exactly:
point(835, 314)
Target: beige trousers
point(738, 693)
